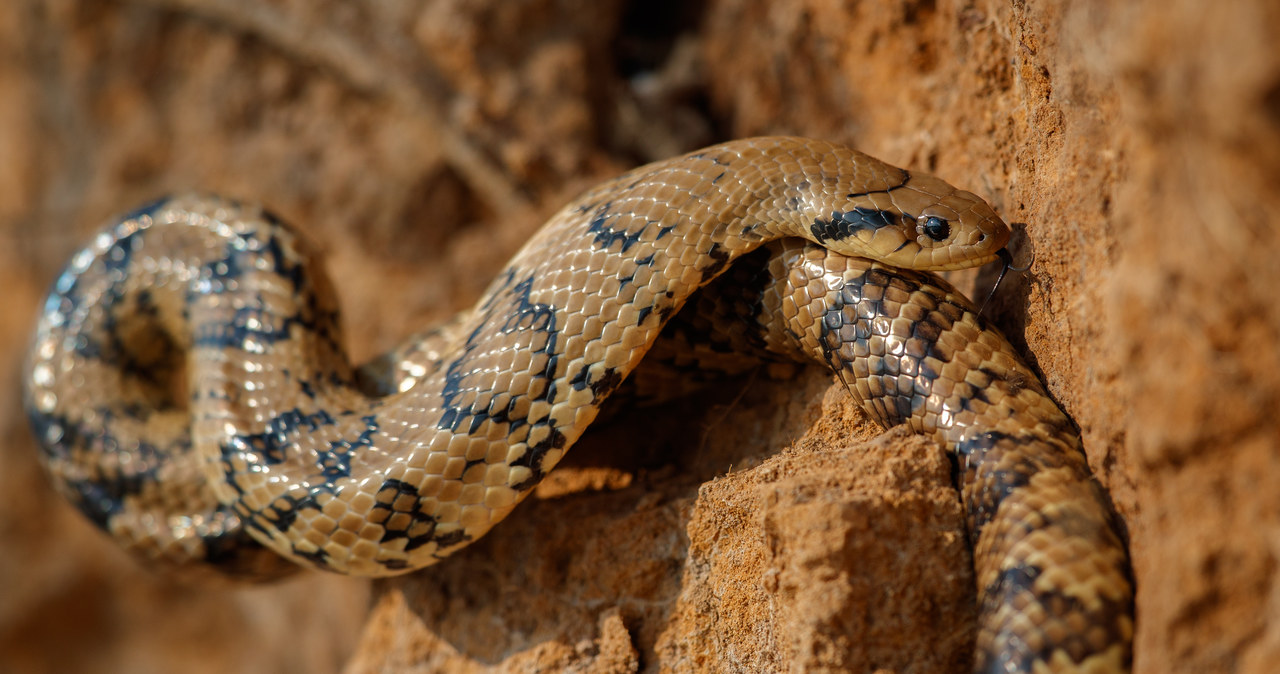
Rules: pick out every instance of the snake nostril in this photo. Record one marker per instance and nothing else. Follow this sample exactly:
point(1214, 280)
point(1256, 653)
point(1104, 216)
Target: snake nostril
point(981, 237)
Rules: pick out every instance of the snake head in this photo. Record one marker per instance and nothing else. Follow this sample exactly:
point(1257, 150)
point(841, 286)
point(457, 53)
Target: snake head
point(910, 220)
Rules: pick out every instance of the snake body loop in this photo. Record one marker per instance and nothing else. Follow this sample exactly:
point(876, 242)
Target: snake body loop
point(190, 389)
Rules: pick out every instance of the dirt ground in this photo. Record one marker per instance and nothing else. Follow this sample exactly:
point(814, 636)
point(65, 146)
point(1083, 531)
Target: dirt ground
point(769, 527)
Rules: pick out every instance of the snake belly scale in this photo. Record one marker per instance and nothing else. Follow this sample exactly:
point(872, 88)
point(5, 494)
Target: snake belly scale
point(192, 395)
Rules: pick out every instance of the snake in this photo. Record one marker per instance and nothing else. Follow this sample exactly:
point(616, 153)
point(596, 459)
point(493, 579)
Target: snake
point(191, 394)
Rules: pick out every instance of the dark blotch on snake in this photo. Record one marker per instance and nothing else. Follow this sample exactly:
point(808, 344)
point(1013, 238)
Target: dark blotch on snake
point(842, 225)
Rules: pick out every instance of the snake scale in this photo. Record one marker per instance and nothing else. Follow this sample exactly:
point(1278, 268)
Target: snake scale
point(190, 389)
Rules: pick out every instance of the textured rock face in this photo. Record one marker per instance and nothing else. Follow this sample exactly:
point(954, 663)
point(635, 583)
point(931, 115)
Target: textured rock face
point(768, 526)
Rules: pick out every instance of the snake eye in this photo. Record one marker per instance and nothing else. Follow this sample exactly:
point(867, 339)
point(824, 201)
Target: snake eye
point(934, 227)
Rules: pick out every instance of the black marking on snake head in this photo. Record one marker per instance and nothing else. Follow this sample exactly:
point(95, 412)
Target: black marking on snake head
point(904, 177)
point(146, 352)
point(844, 224)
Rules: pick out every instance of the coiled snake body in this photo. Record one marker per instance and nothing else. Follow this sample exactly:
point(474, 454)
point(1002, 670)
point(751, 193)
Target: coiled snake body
point(192, 395)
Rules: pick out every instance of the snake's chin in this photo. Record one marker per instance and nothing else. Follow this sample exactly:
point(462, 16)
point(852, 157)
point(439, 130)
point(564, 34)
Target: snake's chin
point(970, 263)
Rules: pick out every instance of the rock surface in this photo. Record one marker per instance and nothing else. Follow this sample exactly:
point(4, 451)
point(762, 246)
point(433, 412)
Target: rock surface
point(769, 527)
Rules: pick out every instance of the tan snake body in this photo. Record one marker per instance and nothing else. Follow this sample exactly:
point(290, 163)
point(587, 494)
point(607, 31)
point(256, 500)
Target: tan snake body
point(188, 383)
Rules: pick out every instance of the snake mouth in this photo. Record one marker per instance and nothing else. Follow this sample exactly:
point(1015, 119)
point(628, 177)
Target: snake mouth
point(966, 263)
